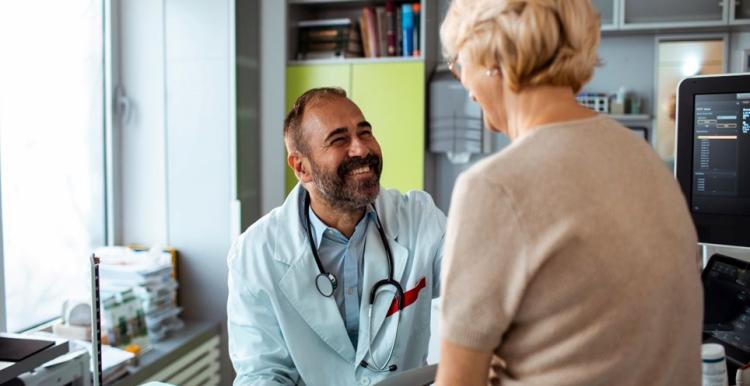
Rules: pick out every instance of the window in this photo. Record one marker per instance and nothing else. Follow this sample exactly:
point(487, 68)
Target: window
point(678, 59)
point(52, 163)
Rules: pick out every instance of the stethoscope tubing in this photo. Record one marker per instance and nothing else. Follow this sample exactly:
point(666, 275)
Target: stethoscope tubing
point(331, 278)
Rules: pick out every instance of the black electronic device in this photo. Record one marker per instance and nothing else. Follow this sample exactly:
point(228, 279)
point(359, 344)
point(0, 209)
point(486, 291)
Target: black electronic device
point(713, 156)
point(726, 317)
point(17, 349)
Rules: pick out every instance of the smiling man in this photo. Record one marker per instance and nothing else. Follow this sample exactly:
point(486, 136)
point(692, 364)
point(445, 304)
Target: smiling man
point(335, 286)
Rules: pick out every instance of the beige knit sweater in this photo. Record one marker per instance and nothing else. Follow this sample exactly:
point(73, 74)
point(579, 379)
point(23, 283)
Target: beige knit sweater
point(572, 256)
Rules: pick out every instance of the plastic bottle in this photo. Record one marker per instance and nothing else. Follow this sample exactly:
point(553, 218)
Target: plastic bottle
point(714, 365)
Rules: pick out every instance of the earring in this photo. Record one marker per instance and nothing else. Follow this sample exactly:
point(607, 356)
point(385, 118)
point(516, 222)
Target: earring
point(492, 71)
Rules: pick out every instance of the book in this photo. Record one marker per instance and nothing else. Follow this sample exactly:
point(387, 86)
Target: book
point(324, 23)
point(416, 8)
point(372, 30)
point(323, 34)
point(399, 33)
point(407, 24)
point(382, 31)
point(328, 38)
point(390, 15)
point(364, 34)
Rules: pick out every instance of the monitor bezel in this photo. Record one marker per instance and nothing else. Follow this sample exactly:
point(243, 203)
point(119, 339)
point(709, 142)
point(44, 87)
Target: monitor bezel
point(712, 228)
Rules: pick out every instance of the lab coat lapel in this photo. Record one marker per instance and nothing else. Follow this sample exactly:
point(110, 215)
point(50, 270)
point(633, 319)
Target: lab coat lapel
point(375, 270)
point(318, 311)
point(298, 285)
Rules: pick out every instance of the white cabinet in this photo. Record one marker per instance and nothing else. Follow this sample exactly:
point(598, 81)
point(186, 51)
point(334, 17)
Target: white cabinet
point(608, 13)
point(663, 14)
point(739, 11)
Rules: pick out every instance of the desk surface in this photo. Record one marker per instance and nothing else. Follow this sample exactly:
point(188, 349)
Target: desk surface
point(10, 370)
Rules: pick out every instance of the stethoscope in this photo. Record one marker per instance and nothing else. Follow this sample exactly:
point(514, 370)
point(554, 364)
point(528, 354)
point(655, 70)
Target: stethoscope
point(326, 283)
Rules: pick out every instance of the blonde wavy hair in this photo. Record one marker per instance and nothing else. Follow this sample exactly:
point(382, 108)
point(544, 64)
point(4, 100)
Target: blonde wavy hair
point(532, 42)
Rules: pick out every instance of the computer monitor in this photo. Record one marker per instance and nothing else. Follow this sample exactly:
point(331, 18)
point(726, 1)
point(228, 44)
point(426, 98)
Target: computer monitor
point(713, 156)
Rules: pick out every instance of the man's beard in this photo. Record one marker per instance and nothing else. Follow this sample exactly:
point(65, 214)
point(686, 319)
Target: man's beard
point(349, 193)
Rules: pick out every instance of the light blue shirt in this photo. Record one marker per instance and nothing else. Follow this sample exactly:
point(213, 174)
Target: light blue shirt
point(343, 257)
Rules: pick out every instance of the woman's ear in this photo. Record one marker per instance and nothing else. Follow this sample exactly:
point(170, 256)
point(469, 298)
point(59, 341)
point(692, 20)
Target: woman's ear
point(300, 166)
point(494, 71)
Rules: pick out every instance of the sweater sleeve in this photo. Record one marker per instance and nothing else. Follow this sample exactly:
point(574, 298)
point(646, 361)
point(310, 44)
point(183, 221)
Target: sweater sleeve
point(485, 268)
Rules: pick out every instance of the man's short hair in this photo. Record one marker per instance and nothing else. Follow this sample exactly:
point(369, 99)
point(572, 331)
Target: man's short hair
point(293, 122)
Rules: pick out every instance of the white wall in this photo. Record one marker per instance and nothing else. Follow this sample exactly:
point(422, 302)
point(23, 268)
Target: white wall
point(176, 154)
point(738, 43)
point(272, 102)
point(142, 184)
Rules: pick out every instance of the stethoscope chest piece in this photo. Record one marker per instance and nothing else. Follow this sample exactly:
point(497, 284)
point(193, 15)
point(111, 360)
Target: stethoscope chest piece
point(326, 283)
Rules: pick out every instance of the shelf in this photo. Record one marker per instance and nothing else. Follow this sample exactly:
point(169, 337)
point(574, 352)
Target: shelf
point(629, 117)
point(311, 2)
point(310, 10)
point(386, 59)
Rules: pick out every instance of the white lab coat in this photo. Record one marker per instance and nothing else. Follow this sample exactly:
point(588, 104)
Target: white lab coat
point(283, 332)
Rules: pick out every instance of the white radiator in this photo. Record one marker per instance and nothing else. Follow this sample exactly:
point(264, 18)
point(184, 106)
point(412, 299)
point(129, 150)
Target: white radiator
point(198, 367)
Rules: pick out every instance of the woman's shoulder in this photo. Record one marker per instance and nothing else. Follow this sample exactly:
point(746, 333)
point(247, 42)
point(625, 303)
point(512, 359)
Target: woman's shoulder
point(552, 151)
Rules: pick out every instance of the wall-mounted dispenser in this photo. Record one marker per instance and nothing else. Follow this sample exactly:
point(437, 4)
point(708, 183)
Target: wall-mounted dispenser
point(455, 121)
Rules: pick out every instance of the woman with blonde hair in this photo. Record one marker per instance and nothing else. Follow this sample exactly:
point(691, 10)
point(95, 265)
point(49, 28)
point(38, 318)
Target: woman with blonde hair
point(570, 256)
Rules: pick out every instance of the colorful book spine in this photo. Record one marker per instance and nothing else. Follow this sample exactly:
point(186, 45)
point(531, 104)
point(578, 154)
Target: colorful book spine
point(399, 33)
point(365, 35)
point(407, 26)
point(380, 16)
point(390, 14)
point(416, 8)
point(372, 30)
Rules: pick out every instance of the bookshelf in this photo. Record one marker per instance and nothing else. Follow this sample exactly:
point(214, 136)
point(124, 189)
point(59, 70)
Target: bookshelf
point(316, 10)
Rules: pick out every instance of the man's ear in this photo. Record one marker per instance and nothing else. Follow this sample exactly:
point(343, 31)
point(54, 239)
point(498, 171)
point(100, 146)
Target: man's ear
point(300, 165)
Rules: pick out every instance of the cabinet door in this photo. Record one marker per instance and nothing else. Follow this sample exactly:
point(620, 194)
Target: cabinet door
point(677, 13)
point(304, 77)
point(391, 96)
point(606, 9)
point(740, 12)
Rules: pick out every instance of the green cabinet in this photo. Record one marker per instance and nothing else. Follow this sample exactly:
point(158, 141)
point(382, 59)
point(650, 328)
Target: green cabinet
point(302, 78)
point(391, 97)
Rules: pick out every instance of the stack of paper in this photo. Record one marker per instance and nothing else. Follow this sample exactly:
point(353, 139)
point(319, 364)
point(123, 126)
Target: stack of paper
point(147, 276)
point(115, 362)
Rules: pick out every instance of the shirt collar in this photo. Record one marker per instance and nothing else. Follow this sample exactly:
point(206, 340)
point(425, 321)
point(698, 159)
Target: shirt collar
point(319, 227)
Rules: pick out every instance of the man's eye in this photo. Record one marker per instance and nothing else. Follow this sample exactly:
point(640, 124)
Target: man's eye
point(367, 133)
point(337, 141)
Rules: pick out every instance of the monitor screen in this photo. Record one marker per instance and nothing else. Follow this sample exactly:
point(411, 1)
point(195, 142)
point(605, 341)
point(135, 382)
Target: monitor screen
point(713, 156)
point(721, 142)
